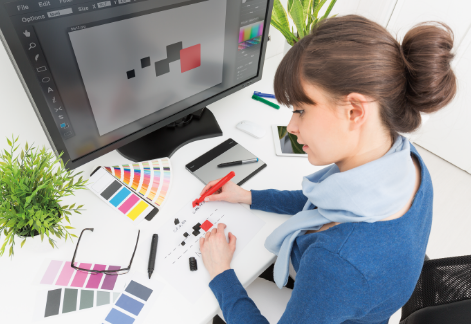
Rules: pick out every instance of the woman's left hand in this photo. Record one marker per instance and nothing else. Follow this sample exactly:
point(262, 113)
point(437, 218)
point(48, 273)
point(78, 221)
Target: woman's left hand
point(216, 251)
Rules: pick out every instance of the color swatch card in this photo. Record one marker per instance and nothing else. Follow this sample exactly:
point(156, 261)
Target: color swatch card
point(62, 301)
point(149, 179)
point(60, 273)
point(120, 197)
point(135, 302)
point(179, 240)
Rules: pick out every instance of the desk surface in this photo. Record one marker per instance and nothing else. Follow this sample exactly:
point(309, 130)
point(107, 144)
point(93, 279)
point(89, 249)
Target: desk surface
point(17, 275)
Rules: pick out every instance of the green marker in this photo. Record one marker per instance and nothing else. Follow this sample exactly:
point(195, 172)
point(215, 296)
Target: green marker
point(267, 102)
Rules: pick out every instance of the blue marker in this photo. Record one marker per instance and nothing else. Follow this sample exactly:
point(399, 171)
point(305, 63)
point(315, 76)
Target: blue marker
point(264, 95)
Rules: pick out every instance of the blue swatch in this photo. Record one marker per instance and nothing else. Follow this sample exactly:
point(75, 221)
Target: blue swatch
point(116, 317)
point(120, 196)
point(131, 305)
point(138, 290)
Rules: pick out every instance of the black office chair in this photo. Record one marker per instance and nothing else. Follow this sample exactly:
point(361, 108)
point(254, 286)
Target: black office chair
point(442, 294)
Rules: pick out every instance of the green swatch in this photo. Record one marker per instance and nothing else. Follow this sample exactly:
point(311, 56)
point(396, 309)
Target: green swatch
point(86, 299)
point(69, 304)
point(102, 298)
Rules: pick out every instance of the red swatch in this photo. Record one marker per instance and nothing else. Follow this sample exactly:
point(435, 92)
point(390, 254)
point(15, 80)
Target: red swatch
point(206, 225)
point(190, 57)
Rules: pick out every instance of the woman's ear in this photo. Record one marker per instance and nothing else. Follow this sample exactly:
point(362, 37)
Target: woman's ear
point(357, 110)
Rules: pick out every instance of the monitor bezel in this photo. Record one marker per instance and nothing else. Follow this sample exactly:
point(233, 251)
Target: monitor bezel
point(33, 90)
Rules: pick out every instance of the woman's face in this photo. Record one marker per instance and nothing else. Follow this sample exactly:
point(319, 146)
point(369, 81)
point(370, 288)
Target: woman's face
point(323, 128)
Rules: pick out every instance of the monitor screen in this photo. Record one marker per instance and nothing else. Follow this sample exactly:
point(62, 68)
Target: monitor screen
point(110, 69)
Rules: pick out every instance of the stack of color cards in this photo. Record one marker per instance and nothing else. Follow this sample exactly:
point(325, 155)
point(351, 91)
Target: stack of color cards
point(149, 179)
point(120, 197)
point(131, 304)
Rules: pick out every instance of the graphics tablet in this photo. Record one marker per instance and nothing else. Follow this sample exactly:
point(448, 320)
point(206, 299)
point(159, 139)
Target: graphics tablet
point(206, 167)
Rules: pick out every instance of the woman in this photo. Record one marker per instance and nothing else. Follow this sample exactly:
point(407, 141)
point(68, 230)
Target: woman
point(356, 243)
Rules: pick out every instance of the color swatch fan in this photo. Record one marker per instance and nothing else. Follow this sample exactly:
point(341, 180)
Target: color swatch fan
point(150, 179)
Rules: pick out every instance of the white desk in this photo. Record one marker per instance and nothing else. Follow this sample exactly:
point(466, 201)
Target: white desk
point(17, 288)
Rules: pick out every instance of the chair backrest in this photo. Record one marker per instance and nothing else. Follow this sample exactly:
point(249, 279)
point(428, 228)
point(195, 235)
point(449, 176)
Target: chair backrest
point(442, 294)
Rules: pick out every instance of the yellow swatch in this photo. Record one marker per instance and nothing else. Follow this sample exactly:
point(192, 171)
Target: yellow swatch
point(137, 210)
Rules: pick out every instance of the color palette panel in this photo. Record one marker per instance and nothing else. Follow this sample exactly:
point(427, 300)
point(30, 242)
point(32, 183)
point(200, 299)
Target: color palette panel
point(110, 279)
point(69, 304)
point(150, 179)
point(117, 317)
point(130, 305)
point(165, 184)
point(65, 275)
point(121, 197)
point(95, 278)
point(68, 300)
point(81, 276)
point(250, 31)
point(51, 272)
point(61, 273)
point(53, 302)
point(138, 290)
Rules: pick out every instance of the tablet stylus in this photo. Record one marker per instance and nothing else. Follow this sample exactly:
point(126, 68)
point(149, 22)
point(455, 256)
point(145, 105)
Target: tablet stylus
point(222, 165)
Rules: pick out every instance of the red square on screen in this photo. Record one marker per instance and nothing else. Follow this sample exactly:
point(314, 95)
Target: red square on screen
point(206, 225)
point(190, 57)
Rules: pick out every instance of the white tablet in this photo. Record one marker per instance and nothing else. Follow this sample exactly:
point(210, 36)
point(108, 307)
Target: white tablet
point(285, 143)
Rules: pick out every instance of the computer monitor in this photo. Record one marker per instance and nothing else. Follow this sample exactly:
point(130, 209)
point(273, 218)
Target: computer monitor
point(102, 74)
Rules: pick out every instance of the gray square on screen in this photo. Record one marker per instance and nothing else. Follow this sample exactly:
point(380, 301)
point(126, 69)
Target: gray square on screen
point(162, 67)
point(173, 52)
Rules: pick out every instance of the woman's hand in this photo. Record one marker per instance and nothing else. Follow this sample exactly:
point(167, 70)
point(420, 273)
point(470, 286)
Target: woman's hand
point(216, 251)
point(230, 192)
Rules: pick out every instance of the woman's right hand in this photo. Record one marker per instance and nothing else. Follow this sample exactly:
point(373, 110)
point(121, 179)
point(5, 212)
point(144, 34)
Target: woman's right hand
point(230, 192)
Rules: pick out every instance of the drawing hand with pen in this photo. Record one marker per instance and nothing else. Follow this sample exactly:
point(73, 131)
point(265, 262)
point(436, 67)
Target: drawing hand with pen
point(229, 192)
point(216, 251)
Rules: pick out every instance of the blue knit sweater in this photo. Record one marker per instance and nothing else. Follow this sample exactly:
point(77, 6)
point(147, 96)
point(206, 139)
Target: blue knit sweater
point(350, 273)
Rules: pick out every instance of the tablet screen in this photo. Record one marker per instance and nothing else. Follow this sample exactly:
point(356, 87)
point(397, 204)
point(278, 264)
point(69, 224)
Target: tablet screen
point(288, 142)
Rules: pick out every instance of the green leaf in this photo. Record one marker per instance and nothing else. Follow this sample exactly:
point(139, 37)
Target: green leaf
point(329, 9)
point(69, 227)
point(290, 38)
point(10, 223)
point(9, 143)
point(297, 148)
point(297, 14)
point(318, 7)
point(23, 243)
point(51, 242)
point(280, 15)
point(282, 130)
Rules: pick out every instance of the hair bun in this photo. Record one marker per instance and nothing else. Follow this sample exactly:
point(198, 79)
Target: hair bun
point(431, 83)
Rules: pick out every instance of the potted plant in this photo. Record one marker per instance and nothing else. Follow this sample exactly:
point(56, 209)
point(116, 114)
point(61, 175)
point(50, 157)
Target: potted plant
point(32, 185)
point(303, 13)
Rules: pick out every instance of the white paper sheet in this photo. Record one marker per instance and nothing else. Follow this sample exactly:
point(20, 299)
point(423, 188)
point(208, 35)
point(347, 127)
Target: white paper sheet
point(172, 261)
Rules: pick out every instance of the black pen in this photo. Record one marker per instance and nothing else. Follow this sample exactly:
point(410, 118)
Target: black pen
point(153, 253)
point(222, 165)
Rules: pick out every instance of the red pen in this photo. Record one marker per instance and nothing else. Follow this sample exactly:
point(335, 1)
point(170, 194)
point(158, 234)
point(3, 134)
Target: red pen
point(214, 188)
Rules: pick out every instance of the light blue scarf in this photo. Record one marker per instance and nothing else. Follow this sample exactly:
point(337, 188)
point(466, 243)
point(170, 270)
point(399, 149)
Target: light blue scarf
point(368, 193)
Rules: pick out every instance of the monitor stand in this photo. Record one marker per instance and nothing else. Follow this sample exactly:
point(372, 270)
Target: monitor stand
point(168, 139)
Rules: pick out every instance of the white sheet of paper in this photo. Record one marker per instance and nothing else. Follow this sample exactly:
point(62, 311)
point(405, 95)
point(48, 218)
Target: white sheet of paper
point(172, 261)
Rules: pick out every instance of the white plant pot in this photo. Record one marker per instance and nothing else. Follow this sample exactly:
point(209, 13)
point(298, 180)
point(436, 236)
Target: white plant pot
point(286, 48)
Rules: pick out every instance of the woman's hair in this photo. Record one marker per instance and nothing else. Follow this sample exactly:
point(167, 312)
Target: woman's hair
point(353, 54)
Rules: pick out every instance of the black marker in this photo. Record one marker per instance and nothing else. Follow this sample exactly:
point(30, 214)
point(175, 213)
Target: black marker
point(153, 253)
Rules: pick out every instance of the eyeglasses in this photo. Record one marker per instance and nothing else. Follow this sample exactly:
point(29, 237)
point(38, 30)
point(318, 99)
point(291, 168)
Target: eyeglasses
point(110, 272)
